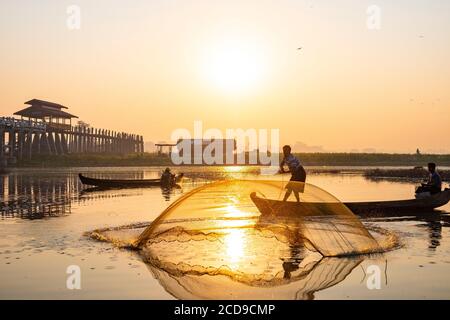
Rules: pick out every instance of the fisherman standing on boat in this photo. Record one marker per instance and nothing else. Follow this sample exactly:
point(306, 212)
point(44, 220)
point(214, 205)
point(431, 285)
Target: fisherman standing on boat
point(434, 183)
point(298, 178)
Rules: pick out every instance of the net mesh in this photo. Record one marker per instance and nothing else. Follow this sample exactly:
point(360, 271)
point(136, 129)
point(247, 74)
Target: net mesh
point(240, 240)
point(246, 209)
point(311, 275)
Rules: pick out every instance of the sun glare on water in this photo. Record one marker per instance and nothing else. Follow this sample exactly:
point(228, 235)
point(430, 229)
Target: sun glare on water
point(235, 247)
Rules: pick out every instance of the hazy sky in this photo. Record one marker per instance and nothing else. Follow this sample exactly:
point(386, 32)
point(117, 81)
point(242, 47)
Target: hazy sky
point(150, 67)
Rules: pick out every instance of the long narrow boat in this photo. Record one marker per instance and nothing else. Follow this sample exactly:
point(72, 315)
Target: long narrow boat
point(394, 208)
point(115, 183)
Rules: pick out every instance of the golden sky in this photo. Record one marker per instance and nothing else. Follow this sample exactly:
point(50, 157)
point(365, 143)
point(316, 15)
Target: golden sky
point(151, 67)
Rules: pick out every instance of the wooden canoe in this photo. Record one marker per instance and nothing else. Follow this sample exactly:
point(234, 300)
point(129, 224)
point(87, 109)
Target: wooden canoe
point(392, 208)
point(115, 183)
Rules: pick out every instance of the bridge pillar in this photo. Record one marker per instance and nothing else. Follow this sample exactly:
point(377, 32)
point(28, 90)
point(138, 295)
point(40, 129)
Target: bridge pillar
point(36, 143)
point(69, 140)
point(86, 140)
point(94, 141)
point(110, 141)
point(52, 144)
point(2, 143)
point(84, 137)
point(29, 144)
point(20, 143)
point(120, 142)
point(11, 143)
point(75, 140)
point(83, 140)
point(79, 140)
point(45, 144)
point(105, 141)
point(100, 140)
point(113, 142)
point(64, 146)
point(89, 139)
point(57, 142)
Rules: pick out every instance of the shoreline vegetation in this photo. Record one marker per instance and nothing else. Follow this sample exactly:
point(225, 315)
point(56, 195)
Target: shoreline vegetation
point(318, 163)
point(307, 159)
point(404, 173)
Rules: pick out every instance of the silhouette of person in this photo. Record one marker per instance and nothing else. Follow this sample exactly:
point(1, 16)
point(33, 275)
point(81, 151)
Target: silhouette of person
point(298, 174)
point(434, 183)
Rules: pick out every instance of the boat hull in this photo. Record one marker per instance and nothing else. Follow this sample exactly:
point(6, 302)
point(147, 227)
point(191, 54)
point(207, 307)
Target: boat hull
point(392, 208)
point(411, 206)
point(111, 183)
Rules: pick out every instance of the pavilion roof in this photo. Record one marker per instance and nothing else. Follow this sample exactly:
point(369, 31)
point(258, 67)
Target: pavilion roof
point(37, 102)
point(40, 109)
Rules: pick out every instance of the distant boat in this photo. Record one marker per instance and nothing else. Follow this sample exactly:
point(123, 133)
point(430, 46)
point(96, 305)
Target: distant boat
point(393, 208)
point(142, 183)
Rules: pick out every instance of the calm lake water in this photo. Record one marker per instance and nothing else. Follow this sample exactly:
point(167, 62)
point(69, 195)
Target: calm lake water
point(46, 213)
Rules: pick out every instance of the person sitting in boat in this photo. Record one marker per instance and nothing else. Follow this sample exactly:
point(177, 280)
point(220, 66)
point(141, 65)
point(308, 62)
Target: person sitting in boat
point(167, 177)
point(434, 183)
point(434, 179)
point(298, 173)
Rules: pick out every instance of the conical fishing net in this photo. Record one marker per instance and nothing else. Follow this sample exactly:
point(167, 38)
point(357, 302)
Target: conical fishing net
point(255, 209)
point(240, 240)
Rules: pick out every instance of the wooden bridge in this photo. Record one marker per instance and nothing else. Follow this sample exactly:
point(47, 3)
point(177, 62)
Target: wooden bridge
point(45, 129)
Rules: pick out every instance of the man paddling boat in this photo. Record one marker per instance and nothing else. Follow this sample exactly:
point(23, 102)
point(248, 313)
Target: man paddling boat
point(298, 173)
point(167, 177)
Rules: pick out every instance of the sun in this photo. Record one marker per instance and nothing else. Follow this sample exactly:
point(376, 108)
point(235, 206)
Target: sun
point(234, 67)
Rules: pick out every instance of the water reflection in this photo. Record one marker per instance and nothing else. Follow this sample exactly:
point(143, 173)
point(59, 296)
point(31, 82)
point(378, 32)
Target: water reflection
point(235, 247)
point(45, 195)
point(434, 227)
point(433, 222)
point(434, 233)
point(293, 263)
point(35, 197)
point(243, 265)
point(167, 192)
point(306, 277)
point(293, 275)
